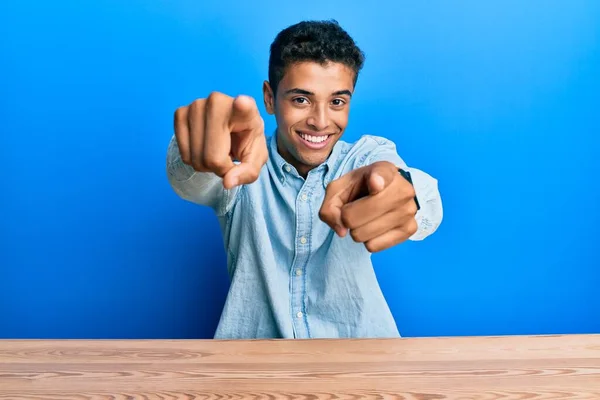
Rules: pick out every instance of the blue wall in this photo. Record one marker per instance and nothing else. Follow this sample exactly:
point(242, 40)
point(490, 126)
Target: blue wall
point(499, 100)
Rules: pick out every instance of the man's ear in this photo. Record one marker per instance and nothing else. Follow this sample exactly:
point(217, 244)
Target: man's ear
point(269, 98)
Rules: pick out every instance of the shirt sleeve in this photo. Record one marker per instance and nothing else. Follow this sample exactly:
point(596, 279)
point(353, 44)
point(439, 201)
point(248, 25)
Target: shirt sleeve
point(430, 216)
point(203, 188)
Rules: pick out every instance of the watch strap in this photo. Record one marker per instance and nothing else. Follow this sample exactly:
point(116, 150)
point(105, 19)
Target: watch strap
point(408, 177)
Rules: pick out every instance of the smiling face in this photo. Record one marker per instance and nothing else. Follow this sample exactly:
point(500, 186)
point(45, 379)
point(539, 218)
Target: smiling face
point(311, 108)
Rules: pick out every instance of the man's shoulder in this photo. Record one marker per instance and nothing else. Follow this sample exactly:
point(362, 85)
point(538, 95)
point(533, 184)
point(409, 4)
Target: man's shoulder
point(365, 150)
point(364, 145)
point(366, 142)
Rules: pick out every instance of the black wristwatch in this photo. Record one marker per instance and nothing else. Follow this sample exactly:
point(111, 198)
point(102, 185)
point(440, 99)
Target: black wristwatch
point(407, 176)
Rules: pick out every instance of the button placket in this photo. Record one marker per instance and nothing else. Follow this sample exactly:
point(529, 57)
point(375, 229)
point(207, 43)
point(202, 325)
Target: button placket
point(298, 273)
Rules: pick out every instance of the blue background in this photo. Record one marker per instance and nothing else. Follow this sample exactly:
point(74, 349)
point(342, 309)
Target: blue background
point(500, 100)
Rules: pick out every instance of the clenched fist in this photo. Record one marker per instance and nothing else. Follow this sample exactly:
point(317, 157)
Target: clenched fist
point(375, 203)
point(214, 132)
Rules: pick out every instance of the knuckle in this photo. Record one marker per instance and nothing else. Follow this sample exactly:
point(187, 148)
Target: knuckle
point(179, 113)
point(213, 162)
point(197, 165)
point(372, 248)
point(412, 207)
point(356, 236)
point(212, 96)
point(196, 104)
point(410, 191)
point(210, 162)
point(412, 227)
point(324, 214)
point(215, 98)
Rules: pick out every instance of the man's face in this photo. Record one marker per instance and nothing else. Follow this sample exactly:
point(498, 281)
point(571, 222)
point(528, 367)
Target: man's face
point(311, 108)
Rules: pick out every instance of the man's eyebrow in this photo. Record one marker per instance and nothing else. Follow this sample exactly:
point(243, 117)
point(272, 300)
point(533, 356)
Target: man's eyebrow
point(342, 92)
point(307, 93)
point(299, 91)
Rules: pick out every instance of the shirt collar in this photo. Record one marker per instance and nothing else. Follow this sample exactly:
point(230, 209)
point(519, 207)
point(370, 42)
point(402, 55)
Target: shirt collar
point(331, 163)
point(277, 162)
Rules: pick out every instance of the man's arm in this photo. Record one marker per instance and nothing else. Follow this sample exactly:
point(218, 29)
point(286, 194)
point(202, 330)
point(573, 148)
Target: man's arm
point(376, 204)
point(210, 134)
point(204, 188)
point(430, 216)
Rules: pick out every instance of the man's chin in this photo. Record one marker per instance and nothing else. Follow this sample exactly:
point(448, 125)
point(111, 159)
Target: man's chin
point(311, 157)
point(312, 162)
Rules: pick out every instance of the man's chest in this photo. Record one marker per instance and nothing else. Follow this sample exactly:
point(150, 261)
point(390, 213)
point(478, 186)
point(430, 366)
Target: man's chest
point(283, 219)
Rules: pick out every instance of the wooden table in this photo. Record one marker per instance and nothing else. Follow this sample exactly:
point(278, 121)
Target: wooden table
point(494, 368)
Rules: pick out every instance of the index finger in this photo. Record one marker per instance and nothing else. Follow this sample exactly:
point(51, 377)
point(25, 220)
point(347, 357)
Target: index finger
point(338, 193)
point(331, 214)
point(244, 114)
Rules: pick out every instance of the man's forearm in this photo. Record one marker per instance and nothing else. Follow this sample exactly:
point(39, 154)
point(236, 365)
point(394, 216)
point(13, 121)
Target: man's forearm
point(429, 217)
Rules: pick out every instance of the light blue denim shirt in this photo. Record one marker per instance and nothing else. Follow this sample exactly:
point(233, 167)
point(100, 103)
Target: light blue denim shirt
point(291, 275)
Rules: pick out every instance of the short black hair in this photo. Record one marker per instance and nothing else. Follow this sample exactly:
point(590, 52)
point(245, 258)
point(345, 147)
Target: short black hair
point(317, 41)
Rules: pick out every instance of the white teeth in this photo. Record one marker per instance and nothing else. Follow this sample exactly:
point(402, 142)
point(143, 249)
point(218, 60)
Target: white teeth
point(314, 139)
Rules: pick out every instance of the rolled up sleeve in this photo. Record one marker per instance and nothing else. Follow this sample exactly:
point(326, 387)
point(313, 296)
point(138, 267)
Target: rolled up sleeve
point(430, 216)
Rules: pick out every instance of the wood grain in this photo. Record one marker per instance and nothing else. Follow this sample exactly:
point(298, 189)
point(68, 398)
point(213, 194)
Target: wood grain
point(458, 368)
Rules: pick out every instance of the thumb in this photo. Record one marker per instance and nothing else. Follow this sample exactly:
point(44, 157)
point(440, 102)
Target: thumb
point(375, 183)
point(238, 175)
point(252, 161)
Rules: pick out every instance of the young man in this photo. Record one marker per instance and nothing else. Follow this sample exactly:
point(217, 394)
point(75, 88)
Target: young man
point(302, 211)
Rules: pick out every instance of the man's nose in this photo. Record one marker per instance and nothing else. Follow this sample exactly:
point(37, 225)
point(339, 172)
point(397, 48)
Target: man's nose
point(319, 119)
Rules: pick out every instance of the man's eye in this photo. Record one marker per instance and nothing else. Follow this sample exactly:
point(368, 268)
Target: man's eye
point(338, 102)
point(300, 100)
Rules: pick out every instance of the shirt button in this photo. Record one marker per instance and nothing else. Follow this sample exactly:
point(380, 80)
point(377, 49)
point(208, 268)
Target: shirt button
point(303, 240)
point(304, 197)
point(299, 314)
point(298, 272)
point(288, 168)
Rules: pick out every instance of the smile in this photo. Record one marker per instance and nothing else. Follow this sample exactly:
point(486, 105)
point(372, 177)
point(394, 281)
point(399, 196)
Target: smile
point(314, 141)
